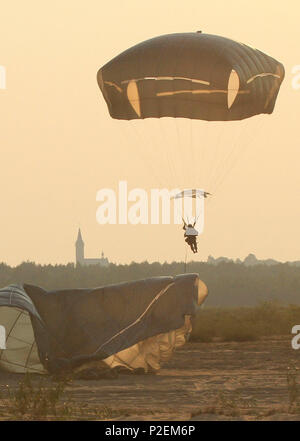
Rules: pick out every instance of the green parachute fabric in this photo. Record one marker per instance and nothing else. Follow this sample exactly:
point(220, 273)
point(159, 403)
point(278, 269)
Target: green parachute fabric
point(190, 75)
point(128, 324)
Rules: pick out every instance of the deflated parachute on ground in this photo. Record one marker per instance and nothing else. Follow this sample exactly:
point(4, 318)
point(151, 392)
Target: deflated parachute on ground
point(190, 75)
point(134, 325)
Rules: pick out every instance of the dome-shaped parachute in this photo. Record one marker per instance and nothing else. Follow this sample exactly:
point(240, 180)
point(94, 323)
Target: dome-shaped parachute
point(190, 75)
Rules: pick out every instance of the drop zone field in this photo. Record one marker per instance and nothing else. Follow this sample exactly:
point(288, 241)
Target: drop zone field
point(250, 380)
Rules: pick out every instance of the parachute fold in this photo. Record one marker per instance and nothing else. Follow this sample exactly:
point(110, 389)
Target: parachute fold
point(190, 75)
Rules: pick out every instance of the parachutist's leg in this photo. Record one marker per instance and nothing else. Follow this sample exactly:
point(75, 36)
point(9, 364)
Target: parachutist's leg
point(196, 247)
point(193, 245)
point(187, 239)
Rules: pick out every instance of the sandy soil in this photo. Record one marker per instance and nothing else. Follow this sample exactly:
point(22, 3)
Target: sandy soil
point(203, 381)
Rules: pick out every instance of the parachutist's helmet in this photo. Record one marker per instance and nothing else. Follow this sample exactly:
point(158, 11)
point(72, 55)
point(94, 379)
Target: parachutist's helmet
point(190, 225)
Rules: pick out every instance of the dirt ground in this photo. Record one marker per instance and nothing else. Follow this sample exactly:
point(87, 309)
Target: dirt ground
point(203, 381)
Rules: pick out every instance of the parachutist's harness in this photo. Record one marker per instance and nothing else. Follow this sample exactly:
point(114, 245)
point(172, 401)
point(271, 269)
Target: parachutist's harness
point(190, 235)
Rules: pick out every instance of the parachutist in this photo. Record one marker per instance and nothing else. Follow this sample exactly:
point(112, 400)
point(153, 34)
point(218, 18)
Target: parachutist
point(191, 236)
point(229, 81)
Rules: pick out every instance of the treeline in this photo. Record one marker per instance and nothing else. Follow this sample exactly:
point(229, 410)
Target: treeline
point(230, 284)
point(245, 323)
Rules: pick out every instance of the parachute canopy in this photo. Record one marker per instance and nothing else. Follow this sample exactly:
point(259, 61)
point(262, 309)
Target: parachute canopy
point(135, 324)
point(192, 193)
point(190, 75)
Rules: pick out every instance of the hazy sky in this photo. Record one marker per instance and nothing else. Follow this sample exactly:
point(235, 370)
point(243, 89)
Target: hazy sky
point(59, 146)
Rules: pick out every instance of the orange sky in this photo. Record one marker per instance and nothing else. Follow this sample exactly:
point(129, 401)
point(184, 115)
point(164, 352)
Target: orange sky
point(59, 146)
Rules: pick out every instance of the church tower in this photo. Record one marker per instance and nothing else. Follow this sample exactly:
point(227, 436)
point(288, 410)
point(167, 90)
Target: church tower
point(79, 249)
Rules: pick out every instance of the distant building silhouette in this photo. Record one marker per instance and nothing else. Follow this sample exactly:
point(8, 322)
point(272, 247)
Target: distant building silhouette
point(81, 260)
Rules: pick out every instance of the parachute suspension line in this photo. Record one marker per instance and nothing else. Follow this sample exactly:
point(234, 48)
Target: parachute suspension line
point(217, 130)
point(219, 184)
point(230, 160)
point(176, 153)
point(224, 160)
point(142, 142)
point(210, 147)
point(14, 324)
point(154, 149)
point(29, 354)
point(249, 138)
point(193, 158)
point(199, 153)
point(194, 149)
point(186, 159)
point(162, 152)
point(185, 150)
point(178, 157)
point(171, 178)
point(129, 134)
point(215, 158)
point(204, 152)
point(181, 155)
point(194, 162)
point(167, 154)
point(166, 139)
